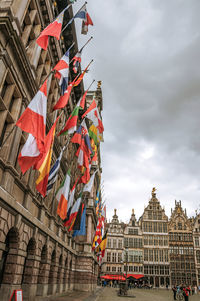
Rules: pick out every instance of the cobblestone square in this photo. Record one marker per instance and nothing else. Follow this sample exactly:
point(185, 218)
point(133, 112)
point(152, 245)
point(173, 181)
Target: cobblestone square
point(110, 294)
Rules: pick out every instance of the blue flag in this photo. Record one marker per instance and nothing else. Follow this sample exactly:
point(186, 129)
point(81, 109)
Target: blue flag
point(82, 230)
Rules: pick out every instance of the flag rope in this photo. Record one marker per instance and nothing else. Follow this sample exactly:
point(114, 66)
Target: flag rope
point(73, 17)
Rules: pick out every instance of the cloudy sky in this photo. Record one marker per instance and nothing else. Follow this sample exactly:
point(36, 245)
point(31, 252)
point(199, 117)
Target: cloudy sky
point(147, 52)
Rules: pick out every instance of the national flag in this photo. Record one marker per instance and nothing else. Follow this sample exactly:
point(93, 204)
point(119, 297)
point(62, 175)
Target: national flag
point(29, 154)
point(98, 234)
point(53, 30)
point(62, 197)
point(82, 230)
point(53, 174)
point(85, 24)
point(94, 134)
point(77, 223)
point(62, 71)
point(82, 134)
point(82, 103)
point(77, 61)
point(71, 124)
point(89, 185)
point(43, 165)
point(63, 100)
point(82, 13)
point(94, 148)
point(102, 246)
point(33, 119)
point(86, 175)
point(92, 113)
point(77, 82)
point(70, 222)
point(71, 199)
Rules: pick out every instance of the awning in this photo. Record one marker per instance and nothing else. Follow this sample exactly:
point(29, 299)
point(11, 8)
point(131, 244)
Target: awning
point(135, 276)
point(113, 277)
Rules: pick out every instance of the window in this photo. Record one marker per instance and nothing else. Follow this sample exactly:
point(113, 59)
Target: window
point(130, 242)
point(120, 243)
point(130, 268)
point(114, 243)
point(160, 227)
point(161, 255)
point(198, 256)
point(161, 270)
point(155, 227)
point(150, 255)
point(119, 257)
point(126, 242)
point(150, 240)
point(146, 269)
point(108, 269)
point(130, 231)
point(149, 214)
point(146, 254)
point(145, 240)
point(135, 268)
point(155, 255)
point(108, 257)
point(119, 269)
point(109, 243)
point(113, 269)
point(166, 270)
point(114, 257)
point(197, 241)
point(157, 270)
point(140, 269)
point(151, 269)
point(179, 226)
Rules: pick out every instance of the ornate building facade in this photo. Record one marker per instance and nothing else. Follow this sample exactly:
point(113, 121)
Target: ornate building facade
point(156, 249)
point(133, 242)
point(37, 253)
point(168, 250)
point(114, 249)
point(182, 262)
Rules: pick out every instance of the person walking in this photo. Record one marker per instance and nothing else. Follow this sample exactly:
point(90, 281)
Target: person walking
point(174, 289)
point(186, 292)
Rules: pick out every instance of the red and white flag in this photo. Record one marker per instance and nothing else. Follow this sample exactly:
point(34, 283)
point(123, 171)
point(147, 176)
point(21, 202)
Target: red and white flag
point(33, 119)
point(29, 155)
point(53, 30)
point(92, 113)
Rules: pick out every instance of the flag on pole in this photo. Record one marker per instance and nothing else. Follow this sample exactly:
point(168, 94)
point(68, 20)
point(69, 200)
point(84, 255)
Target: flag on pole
point(77, 223)
point(70, 222)
point(82, 103)
point(85, 24)
point(89, 185)
point(77, 61)
point(92, 113)
point(94, 134)
point(62, 197)
point(71, 124)
point(53, 174)
point(82, 136)
point(53, 30)
point(82, 230)
point(62, 71)
point(33, 119)
point(29, 154)
point(71, 199)
point(78, 81)
point(43, 165)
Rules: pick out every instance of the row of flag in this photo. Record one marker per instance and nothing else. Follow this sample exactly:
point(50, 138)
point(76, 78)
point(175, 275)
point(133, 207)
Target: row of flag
point(37, 151)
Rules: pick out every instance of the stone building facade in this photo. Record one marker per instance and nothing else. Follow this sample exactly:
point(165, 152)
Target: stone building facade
point(133, 242)
point(182, 262)
point(156, 249)
point(196, 241)
point(170, 248)
point(113, 260)
point(37, 253)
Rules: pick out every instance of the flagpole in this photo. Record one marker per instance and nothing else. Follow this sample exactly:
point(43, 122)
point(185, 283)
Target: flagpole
point(48, 25)
point(90, 84)
point(86, 43)
point(70, 21)
point(82, 47)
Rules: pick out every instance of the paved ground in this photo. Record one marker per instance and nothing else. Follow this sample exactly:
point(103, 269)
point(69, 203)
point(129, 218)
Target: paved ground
point(110, 294)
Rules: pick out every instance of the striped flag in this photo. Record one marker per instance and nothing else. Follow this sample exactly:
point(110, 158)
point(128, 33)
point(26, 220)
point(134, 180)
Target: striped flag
point(53, 174)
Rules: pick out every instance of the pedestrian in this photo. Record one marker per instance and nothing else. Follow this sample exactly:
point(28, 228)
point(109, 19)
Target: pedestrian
point(167, 286)
point(174, 289)
point(186, 292)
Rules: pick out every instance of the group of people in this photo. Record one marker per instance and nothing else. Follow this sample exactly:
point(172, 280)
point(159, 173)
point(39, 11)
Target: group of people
point(184, 291)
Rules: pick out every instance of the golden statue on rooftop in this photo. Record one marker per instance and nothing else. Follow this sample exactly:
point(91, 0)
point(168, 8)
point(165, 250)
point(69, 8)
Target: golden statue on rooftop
point(153, 192)
point(99, 84)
